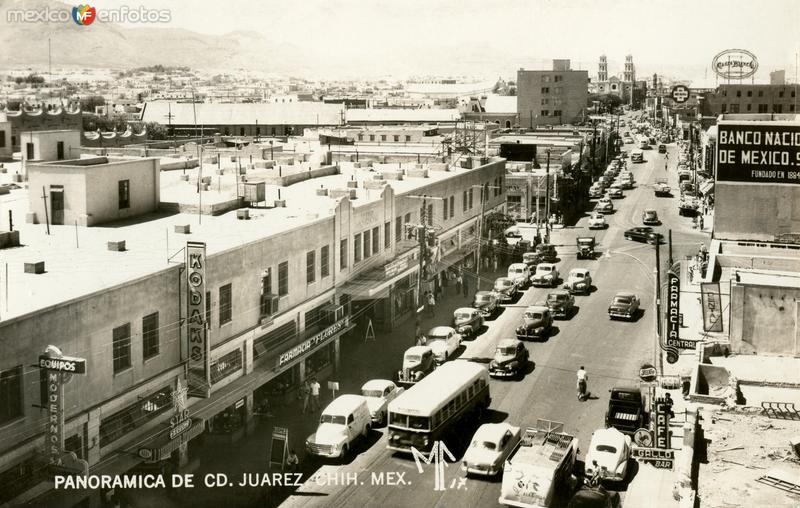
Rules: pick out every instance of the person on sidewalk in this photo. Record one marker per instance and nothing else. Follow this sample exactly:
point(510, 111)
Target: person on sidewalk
point(292, 462)
point(315, 394)
point(583, 381)
point(305, 394)
point(466, 287)
point(431, 304)
point(459, 282)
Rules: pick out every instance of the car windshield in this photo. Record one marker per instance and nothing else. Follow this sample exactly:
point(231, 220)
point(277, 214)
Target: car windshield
point(436, 338)
point(413, 358)
point(506, 351)
point(463, 315)
point(503, 283)
point(483, 298)
point(544, 269)
point(556, 298)
point(577, 275)
point(489, 445)
point(623, 299)
point(372, 393)
point(650, 213)
point(418, 422)
point(606, 448)
point(517, 270)
point(533, 315)
point(335, 419)
point(584, 242)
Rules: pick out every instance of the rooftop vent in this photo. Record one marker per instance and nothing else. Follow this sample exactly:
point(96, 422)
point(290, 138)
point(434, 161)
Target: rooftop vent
point(322, 191)
point(36, 268)
point(9, 239)
point(183, 229)
point(243, 214)
point(118, 246)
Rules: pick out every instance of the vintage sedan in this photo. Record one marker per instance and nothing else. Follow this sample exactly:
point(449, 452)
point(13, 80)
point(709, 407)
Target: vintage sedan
point(467, 321)
point(624, 305)
point(643, 234)
point(604, 206)
point(615, 191)
point(610, 452)
point(595, 191)
point(579, 281)
point(486, 303)
point(597, 221)
point(490, 447)
point(505, 289)
point(560, 302)
point(546, 275)
point(418, 362)
point(379, 392)
point(444, 341)
point(650, 216)
point(547, 252)
point(510, 359)
point(537, 323)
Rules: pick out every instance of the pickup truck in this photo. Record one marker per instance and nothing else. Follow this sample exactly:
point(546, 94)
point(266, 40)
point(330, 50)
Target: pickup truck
point(625, 409)
point(537, 472)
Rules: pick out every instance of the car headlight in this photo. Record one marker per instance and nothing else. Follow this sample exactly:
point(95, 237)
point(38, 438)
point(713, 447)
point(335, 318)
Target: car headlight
point(580, 284)
point(426, 441)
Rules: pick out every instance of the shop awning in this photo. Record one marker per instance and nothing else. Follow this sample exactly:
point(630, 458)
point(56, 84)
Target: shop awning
point(707, 187)
point(161, 446)
point(374, 283)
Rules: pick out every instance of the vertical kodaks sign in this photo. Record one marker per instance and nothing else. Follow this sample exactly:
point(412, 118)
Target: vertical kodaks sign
point(197, 338)
point(758, 152)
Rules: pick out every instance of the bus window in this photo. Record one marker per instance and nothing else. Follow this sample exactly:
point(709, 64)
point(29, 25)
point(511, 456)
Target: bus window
point(418, 422)
point(398, 419)
point(470, 391)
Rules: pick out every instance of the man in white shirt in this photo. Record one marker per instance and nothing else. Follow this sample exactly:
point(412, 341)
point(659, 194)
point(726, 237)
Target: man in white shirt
point(314, 394)
point(583, 380)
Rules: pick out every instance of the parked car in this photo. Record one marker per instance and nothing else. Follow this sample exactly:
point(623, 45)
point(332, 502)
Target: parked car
point(610, 452)
point(531, 259)
point(505, 289)
point(662, 148)
point(486, 303)
point(650, 216)
point(604, 206)
point(546, 275)
point(579, 281)
point(379, 392)
point(615, 191)
point(595, 191)
point(520, 273)
point(643, 234)
point(547, 252)
point(628, 140)
point(537, 322)
point(560, 302)
point(624, 305)
point(444, 341)
point(418, 362)
point(513, 235)
point(662, 189)
point(490, 447)
point(597, 221)
point(594, 497)
point(637, 156)
point(510, 359)
point(585, 247)
point(626, 409)
point(467, 321)
point(342, 421)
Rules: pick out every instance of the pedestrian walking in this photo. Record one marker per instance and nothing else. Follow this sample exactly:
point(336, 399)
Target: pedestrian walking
point(292, 461)
point(466, 287)
point(431, 304)
point(583, 381)
point(305, 393)
point(666, 166)
point(315, 394)
point(459, 282)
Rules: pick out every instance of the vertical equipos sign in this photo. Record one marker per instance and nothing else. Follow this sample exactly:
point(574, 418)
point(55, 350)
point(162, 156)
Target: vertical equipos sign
point(197, 337)
point(712, 306)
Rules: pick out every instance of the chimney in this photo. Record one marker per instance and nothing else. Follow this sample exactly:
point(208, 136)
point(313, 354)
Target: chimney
point(37, 267)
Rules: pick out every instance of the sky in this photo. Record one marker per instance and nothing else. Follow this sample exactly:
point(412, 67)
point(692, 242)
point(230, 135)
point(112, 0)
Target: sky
point(660, 34)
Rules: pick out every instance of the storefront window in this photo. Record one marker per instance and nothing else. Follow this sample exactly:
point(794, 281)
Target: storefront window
point(19, 478)
point(274, 340)
point(232, 418)
point(319, 360)
point(135, 415)
point(226, 365)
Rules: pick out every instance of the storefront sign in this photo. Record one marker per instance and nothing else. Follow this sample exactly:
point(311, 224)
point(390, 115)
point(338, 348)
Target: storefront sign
point(663, 410)
point(198, 348)
point(180, 428)
point(662, 459)
point(57, 367)
point(735, 64)
point(680, 94)
point(648, 373)
point(309, 345)
point(395, 267)
point(712, 306)
point(758, 153)
point(66, 364)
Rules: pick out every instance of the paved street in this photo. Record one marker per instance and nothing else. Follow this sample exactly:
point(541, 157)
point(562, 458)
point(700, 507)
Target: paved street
point(611, 351)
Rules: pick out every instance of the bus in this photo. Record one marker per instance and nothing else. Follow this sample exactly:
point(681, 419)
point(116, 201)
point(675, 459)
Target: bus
point(427, 411)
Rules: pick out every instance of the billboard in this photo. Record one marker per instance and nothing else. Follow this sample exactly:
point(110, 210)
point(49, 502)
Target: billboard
point(199, 383)
point(754, 152)
point(734, 64)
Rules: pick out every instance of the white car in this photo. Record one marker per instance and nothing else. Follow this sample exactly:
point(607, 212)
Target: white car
point(489, 449)
point(379, 392)
point(604, 206)
point(615, 191)
point(597, 221)
point(546, 275)
point(596, 191)
point(443, 341)
point(610, 451)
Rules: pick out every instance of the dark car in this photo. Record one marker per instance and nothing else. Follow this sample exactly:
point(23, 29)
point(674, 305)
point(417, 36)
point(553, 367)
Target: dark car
point(537, 323)
point(624, 305)
point(560, 302)
point(643, 234)
point(625, 409)
point(594, 497)
point(662, 148)
point(510, 359)
point(547, 252)
point(486, 302)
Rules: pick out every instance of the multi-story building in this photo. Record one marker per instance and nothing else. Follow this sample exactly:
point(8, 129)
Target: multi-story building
point(748, 99)
point(623, 85)
point(551, 97)
point(278, 292)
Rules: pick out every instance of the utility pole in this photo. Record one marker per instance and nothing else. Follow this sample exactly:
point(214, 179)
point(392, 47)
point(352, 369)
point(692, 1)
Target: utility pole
point(594, 143)
point(657, 297)
point(670, 261)
point(547, 200)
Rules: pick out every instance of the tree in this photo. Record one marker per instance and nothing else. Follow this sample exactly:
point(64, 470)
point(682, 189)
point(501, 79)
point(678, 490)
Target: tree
point(155, 131)
point(89, 103)
point(496, 223)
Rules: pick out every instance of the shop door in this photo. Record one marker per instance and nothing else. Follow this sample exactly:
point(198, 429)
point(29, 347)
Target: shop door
point(28, 151)
point(57, 204)
point(60, 150)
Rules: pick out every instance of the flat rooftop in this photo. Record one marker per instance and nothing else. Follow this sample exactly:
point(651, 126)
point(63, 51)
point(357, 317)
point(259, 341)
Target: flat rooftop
point(567, 141)
point(769, 278)
point(78, 263)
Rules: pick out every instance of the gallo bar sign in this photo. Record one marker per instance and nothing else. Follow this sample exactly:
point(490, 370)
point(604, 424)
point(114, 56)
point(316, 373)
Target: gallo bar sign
point(735, 64)
point(756, 152)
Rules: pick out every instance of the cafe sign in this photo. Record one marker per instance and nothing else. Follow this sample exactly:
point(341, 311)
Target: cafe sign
point(735, 64)
point(310, 344)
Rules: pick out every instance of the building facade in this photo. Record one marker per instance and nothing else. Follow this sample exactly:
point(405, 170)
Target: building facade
point(750, 99)
point(551, 97)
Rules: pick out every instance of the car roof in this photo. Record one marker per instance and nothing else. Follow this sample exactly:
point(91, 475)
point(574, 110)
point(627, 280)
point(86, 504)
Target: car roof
point(346, 403)
point(502, 279)
point(537, 308)
point(493, 431)
point(625, 293)
point(508, 342)
point(484, 293)
point(579, 270)
point(465, 309)
point(558, 292)
point(541, 265)
point(377, 384)
point(650, 210)
point(518, 265)
point(610, 436)
point(440, 330)
point(418, 350)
